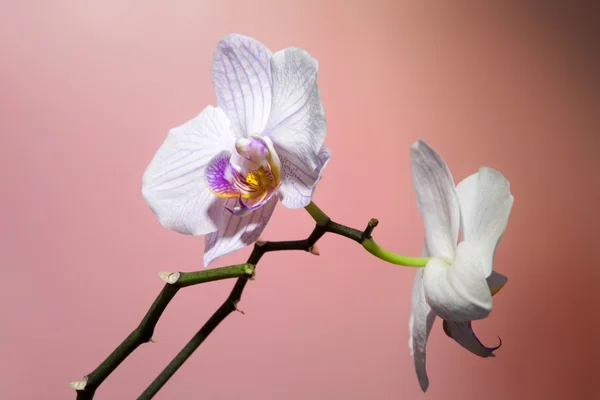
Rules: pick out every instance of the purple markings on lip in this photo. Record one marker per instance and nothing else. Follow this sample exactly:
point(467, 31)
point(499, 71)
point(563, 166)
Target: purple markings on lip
point(219, 173)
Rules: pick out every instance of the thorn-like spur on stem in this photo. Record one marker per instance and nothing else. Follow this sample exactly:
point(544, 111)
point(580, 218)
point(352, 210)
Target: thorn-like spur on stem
point(238, 310)
point(369, 229)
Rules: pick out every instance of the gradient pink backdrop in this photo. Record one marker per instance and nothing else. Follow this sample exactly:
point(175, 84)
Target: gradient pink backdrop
point(88, 90)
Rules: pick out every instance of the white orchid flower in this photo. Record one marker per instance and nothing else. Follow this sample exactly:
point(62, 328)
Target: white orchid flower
point(223, 172)
point(457, 284)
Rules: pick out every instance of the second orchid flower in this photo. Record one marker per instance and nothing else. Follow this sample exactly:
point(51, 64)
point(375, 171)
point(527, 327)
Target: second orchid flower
point(458, 283)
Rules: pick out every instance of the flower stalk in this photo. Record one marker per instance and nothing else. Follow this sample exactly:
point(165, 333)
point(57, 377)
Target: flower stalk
point(368, 243)
point(393, 258)
point(317, 214)
point(87, 387)
point(184, 279)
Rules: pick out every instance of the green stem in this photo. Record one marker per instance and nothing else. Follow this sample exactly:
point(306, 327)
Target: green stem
point(315, 212)
point(379, 252)
point(214, 274)
point(364, 238)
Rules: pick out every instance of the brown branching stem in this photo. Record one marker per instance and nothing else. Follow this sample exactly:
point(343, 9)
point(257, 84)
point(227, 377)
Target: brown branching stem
point(87, 387)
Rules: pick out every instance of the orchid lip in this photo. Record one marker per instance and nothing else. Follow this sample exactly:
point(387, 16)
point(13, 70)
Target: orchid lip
point(244, 209)
point(253, 178)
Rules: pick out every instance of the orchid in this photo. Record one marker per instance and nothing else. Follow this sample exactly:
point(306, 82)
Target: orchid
point(222, 173)
point(458, 282)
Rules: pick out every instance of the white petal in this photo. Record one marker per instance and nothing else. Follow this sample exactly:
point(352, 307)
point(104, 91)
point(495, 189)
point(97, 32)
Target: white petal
point(299, 183)
point(485, 204)
point(458, 292)
point(462, 333)
point(173, 184)
point(242, 79)
point(419, 325)
point(297, 119)
point(436, 199)
point(235, 232)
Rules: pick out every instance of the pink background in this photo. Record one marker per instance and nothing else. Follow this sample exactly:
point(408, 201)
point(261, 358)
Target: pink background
point(88, 90)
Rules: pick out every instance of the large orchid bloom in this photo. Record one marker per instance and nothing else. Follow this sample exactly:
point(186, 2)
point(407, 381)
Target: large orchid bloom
point(223, 172)
point(457, 284)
